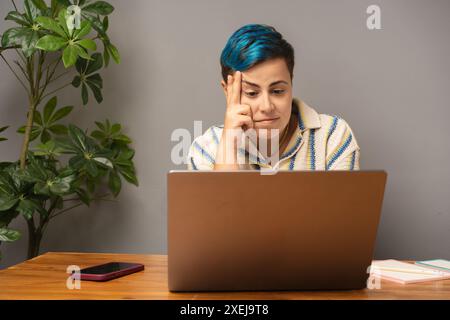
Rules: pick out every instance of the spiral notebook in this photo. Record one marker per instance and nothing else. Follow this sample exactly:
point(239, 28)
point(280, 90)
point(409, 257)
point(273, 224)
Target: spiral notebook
point(403, 272)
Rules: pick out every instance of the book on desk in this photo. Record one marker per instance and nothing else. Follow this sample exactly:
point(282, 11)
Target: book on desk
point(403, 272)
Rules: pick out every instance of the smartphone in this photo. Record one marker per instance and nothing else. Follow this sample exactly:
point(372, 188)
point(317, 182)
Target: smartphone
point(110, 270)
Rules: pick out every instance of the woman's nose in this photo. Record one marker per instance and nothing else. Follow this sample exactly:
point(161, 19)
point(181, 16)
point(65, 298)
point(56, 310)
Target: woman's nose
point(266, 105)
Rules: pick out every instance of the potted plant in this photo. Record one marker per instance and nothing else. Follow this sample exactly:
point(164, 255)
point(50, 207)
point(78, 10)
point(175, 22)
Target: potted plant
point(60, 167)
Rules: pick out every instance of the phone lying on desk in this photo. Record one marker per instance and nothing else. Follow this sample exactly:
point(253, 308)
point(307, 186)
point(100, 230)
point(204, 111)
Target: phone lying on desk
point(110, 270)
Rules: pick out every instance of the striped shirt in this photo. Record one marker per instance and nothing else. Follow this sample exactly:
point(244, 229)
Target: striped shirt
point(320, 142)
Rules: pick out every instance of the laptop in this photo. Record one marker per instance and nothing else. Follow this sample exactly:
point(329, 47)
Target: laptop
point(293, 230)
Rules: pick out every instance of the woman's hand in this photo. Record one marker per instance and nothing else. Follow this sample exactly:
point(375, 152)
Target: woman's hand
point(237, 115)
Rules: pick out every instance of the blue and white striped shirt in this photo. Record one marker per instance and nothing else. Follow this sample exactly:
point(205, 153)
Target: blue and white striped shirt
point(320, 142)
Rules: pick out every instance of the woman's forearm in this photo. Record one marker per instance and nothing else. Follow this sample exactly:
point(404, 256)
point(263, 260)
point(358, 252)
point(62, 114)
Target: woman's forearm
point(226, 158)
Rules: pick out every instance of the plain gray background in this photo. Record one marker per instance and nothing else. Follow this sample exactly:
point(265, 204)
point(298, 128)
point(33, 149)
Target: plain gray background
point(391, 85)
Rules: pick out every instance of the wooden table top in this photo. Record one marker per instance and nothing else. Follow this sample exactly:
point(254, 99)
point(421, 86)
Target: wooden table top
point(44, 277)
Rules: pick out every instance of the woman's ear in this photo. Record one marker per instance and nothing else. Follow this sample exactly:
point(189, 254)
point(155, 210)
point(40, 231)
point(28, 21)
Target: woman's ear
point(224, 87)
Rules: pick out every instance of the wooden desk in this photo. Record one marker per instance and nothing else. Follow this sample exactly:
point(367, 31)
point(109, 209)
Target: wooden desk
point(44, 277)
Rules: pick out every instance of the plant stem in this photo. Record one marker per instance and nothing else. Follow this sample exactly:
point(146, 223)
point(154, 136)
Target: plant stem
point(12, 70)
point(26, 138)
point(10, 47)
point(60, 88)
point(59, 76)
point(15, 7)
point(67, 209)
point(21, 56)
point(34, 239)
point(30, 115)
point(48, 78)
point(39, 72)
point(102, 197)
point(21, 69)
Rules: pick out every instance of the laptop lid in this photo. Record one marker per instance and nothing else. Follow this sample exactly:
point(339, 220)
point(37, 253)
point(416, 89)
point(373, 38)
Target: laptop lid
point(294, 230)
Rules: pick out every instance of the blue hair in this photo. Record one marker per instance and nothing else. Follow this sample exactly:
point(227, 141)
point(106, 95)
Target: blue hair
point(253, 44)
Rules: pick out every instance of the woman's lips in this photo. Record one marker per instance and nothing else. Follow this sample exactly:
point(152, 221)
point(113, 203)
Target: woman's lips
point(268, 120)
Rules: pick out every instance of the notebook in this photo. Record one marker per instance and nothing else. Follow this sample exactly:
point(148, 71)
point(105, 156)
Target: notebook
point(403, 272)
point(439, 264)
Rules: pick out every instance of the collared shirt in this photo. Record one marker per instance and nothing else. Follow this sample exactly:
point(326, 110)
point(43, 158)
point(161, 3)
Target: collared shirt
point(320, 142)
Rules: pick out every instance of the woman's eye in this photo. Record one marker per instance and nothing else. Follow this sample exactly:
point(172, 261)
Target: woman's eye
point(251, 93)
point(279, 91)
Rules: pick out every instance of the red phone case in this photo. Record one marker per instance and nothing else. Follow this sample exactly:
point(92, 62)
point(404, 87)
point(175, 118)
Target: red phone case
point(134, 267)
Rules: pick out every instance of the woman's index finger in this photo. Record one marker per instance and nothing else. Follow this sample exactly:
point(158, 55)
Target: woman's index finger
point(236, 97)
point(229, 89)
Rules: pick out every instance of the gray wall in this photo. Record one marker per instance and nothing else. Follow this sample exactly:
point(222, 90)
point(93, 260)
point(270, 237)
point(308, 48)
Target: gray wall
point(391, 85)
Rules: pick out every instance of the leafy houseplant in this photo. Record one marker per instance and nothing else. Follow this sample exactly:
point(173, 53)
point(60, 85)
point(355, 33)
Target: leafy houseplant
point(66, 166)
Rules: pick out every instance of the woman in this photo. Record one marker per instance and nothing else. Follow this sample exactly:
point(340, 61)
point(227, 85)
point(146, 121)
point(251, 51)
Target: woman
point(257, 71)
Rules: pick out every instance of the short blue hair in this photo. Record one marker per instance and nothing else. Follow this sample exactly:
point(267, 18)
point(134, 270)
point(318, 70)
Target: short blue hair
point(253, 44)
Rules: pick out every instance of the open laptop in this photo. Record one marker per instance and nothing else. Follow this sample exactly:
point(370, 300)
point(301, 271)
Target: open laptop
point(293, 230)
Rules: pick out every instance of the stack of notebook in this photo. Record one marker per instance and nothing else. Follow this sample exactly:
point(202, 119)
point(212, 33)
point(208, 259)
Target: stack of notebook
point(403, 272)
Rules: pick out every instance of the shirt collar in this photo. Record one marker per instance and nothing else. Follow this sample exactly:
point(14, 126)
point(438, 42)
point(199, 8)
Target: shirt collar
point(307, 118)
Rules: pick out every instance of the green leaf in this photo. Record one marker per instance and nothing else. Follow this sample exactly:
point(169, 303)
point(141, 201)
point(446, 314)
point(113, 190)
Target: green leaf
point(37, 118)
point(17, 17)
point(49, 108)
point(51, 43)
point(78, 137)
point(45, 136)
point(88, 44)
point(13, 36)
point(61, 185)
point(84, 196)
point(82, 53)
point(27, 207)
point(62, 20)
point(76, 81)
point(106, 55)
point(84, 93)
point(105, 24)
point(7, 203)
point(96, 90)
point(3, 128)
point(31, 10)
point(91, 168)
point(96, 79)
point(29, 42)
point(100, 125)
point(64, 3)
point(58, 129)
point(40, 4)
point(104, 161)
point(129, 175)
point(116, 127)
point(61, 113)
point(8, 235)
point(35, 132)
point(52, 25)
point(98, 135)
point(126, 154)
point(48, 149)
point(114, 53)
point(70, 55)
point(99, 7)
point(77, 162)
point(85, 28)
point(95, 64)
point(114, 183)
point(41, 187)
point(123, 138)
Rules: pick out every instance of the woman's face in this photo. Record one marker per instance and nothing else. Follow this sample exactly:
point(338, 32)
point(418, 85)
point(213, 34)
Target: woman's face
point(267, 89)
